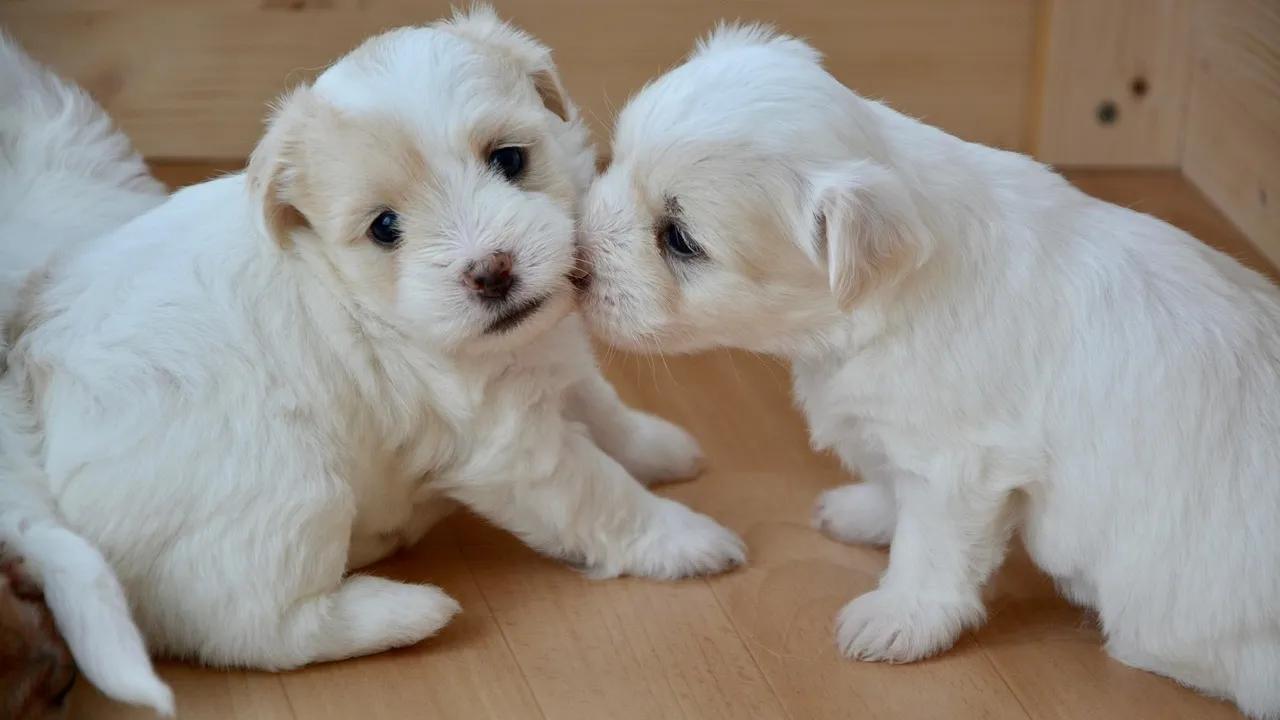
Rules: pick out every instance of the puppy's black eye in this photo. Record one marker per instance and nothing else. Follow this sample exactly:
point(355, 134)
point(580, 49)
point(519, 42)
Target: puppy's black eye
point(509, 161)
point(677, 243)
point(385, 230)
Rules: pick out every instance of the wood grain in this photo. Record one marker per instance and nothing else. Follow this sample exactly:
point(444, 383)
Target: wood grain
point(1131, 54)
point(537, 640)
point(1232, 149)
point(191, 78)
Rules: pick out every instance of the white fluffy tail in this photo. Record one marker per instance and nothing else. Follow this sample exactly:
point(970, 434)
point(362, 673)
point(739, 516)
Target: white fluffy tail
point(67, 175)
point(52, 127)
point(62, 162)
point(79, 586)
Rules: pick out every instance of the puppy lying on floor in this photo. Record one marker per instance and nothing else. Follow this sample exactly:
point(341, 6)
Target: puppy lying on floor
point(990, 348)
point(281, 375)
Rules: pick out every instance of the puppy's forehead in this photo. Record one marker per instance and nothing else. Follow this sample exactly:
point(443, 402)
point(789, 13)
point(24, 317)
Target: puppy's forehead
point(743, 96)
point(426, 77)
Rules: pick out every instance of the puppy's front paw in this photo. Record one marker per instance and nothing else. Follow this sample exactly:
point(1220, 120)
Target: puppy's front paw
point(858, 513)
point(900, 627)
point(680, 542)
point(659, 451)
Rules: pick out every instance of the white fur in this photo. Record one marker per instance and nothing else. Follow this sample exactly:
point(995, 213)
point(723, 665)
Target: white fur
point(67, 173)
point(992, 349)
point(239, 398)
point(64, 170)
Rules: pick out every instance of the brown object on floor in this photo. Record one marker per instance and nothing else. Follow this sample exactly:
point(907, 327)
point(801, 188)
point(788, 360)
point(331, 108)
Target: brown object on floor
point(537, 640)
point(36, 669)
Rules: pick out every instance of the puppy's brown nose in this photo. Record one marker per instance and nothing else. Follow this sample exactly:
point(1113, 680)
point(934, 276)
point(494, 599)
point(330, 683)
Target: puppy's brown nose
point(491, 278)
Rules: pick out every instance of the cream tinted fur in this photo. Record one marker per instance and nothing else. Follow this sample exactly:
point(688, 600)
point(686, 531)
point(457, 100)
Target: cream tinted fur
point(239, 398)
point(993, 350)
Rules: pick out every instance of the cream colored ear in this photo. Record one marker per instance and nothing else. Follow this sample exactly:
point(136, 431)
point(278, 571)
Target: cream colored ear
point(274, 167)
point(866, 230)
point(481, 25)
point(547, 83)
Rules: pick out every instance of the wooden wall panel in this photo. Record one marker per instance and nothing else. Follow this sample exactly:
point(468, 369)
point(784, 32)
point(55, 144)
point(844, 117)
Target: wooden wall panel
point(1232, 148)
point(1115, 82)
point(191, 78)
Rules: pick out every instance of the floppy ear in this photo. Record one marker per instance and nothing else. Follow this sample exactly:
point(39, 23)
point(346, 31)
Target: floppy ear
point(481, 25)
point(274, 167)
point(865, 230)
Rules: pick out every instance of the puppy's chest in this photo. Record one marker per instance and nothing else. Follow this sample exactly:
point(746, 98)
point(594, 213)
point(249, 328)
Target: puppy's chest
point(844, 413)
point(491, 422)
point(866, 413)
point(396, 499)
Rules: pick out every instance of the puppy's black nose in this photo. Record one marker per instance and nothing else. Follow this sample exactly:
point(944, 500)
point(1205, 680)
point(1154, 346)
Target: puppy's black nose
point(491, 278)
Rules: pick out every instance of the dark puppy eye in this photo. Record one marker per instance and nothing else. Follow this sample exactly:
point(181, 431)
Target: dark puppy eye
point(509, 161)
point(385, 229)
point(677, 243)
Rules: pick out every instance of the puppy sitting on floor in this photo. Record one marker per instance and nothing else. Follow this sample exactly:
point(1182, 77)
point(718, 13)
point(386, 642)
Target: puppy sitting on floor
point(990, 348)
point(281, 375)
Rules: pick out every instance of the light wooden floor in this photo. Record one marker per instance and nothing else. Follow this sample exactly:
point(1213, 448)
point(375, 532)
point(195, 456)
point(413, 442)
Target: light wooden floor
point(537, 640)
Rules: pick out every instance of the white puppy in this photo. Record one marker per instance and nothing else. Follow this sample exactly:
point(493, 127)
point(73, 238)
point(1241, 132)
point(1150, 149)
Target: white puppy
point(992, 349)
point(278, 376)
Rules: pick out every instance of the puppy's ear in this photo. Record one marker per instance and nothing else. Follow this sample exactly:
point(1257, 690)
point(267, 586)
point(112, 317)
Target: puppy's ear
point(274, 170)
point(864, 230)
point(481, 25)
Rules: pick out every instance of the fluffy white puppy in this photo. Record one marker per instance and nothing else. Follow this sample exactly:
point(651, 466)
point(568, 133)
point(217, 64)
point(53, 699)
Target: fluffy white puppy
point(992, 349)
point(281, 375)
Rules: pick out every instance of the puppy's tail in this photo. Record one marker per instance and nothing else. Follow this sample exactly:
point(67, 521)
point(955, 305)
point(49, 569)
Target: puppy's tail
point(61, 129)
point(83, 594)
point(64, 167)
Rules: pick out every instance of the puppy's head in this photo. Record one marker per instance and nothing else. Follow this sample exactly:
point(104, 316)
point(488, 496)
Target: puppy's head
point(749, 202)
point(432, 176)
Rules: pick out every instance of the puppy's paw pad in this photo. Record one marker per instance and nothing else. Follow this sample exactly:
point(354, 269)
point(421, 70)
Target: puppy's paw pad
point(884, 626)
point(663, 452)
point(859, 513)
point(681, 543)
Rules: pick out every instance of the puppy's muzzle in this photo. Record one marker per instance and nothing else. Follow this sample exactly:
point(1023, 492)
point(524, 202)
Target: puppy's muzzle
point(491, 279)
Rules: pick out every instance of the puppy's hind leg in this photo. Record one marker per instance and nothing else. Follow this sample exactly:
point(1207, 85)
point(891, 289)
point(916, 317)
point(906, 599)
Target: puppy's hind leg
point(358, 615)
point(285, 602)
point(650, 448)
point(364, 615)
point(1255, 682)
point(1245, 672)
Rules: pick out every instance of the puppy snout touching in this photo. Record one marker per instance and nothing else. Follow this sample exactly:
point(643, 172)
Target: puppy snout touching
point(491, 278)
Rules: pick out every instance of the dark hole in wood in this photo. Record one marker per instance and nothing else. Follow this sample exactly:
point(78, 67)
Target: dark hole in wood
point(1108, 112)
point(1139, 87)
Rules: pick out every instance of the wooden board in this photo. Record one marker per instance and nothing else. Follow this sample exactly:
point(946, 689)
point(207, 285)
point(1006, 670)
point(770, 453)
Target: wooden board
point(191, 78)
point(1232, 149)
point(1131, 57)
point(537, 640)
